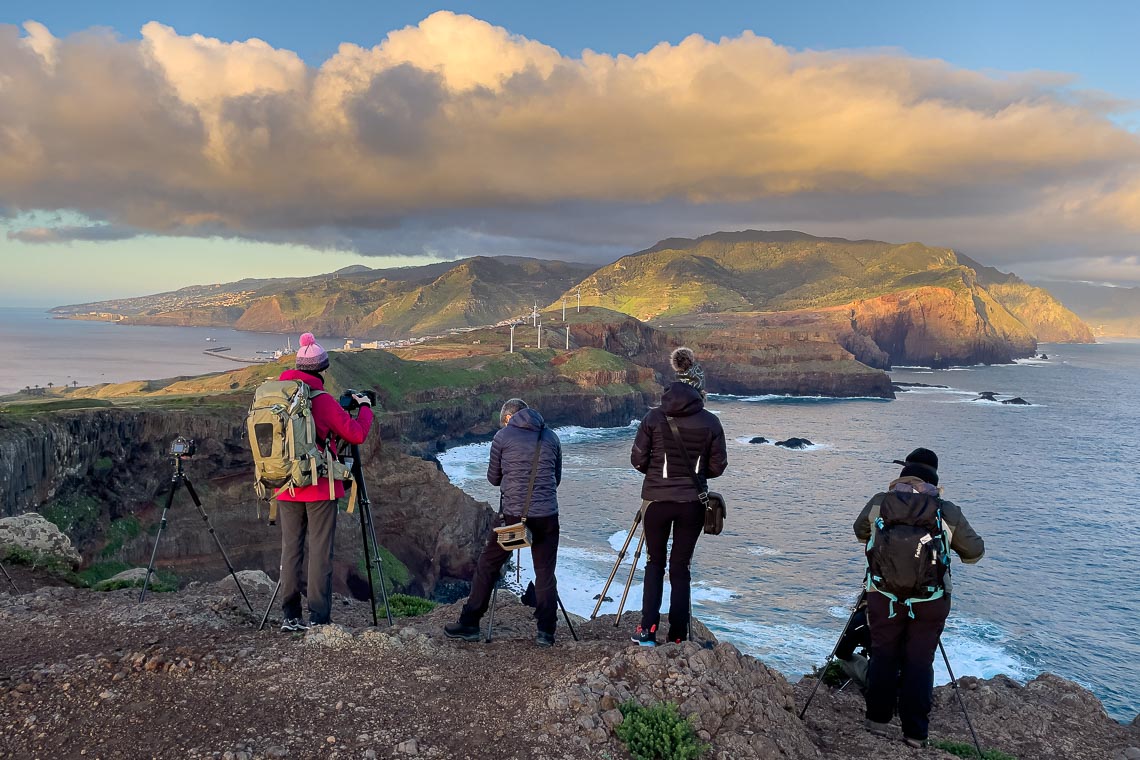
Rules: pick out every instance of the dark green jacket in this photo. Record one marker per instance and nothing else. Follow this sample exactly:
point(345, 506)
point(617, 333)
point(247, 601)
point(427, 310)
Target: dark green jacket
point(963, 539)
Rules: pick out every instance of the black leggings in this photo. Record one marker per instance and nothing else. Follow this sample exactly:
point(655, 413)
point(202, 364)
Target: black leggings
point(685, 519)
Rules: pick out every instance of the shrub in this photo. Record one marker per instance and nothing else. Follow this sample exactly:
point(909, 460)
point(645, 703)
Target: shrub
point(658, 733)
point(396, 573)
point(73, 515)
point(832, 675)
point(961, 749)
point(405, 605)
point(100, 571)
point(18, 555)
point(119, 532)
point(162, 581)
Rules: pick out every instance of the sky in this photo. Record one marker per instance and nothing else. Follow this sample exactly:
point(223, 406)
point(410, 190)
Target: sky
point(147, 146)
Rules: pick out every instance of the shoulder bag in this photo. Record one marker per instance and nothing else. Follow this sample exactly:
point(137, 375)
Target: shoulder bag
point(713, 502)
point(517, 535)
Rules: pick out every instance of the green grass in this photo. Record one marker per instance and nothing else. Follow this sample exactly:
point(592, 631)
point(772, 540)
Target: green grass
point(405, 605)
point(21, 409)
point(396, 573)
point(962, 749)
point(592, 360)
point(658, 733)
point(118, 533)
point(101, 571)
point(74, 515)
point(18, 555)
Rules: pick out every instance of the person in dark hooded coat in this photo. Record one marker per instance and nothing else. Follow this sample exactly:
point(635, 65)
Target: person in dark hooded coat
point(675, 507)
point(512, 455)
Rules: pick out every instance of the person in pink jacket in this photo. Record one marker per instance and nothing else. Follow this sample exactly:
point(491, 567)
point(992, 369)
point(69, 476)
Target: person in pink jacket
point(307, 515)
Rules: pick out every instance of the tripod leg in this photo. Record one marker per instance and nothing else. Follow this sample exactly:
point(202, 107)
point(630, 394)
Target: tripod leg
point(831, 656)
point(269, 606)
point(566, 615)
point(367, 510)
point(5, 571)
point(214, 535)
point(629, 580)
point(161, 527)
point(491, 617)
point(961, 702)
point(368, 562)
point(617, 564)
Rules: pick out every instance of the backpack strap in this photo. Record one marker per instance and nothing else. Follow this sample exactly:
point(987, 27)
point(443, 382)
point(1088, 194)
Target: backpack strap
point(701, 484)
point(533, 473)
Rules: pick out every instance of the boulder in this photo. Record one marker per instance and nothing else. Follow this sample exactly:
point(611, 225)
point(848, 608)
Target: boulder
point(986, 396)
point(795, 443)
point(253, 581)
point(135, 576)
point(758, 439)
point(1017, 400)
point(32, 533)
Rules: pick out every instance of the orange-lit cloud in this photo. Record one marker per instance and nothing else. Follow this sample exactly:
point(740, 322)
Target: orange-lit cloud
point(456, 124)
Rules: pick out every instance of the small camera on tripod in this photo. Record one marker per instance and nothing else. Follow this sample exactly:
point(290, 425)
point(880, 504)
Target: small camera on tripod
point(183, 448)
point(348, 403)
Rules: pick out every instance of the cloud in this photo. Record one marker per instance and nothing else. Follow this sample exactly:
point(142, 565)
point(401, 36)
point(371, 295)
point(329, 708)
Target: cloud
point(455, 132)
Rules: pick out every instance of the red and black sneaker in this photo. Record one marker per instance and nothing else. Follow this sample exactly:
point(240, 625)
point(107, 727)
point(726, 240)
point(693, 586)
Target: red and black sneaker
point(645, 638)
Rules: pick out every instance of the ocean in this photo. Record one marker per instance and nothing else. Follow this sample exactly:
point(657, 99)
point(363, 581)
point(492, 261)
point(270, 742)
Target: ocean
point(1050, 487)
point(40, 349)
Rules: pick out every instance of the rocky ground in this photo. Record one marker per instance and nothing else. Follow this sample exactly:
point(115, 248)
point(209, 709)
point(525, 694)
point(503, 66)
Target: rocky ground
point(188, 675)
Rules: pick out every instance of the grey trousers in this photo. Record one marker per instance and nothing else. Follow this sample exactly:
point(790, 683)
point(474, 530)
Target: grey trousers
point(310, 525)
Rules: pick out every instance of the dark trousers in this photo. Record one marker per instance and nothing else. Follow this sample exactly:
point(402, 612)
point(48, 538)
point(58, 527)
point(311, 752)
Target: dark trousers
point(902, 661)
point(309, 524)
point(685, 519)
point(544, 554)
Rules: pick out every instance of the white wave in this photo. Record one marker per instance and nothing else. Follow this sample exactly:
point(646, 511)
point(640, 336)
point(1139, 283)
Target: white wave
point(974, 647)
point(571, 434)
point(764, 551)
point(464, 464)
point(913, 391)
point(785, 398)
point(1031, 362)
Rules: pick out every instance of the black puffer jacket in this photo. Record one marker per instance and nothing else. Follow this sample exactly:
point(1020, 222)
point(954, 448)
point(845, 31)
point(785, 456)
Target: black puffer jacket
point(657, 456)
point(512, 452)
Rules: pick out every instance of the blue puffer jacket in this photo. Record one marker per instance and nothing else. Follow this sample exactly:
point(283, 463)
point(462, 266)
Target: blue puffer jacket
point(512, 452)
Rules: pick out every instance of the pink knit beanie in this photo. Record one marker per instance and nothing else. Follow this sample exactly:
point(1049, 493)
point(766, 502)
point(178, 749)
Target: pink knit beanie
point(310, 356)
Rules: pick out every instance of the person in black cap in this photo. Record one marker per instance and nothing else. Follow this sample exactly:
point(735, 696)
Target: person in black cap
point(909, 530)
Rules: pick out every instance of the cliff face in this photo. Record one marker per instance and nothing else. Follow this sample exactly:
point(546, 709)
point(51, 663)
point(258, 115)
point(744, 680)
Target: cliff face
point(112, 464)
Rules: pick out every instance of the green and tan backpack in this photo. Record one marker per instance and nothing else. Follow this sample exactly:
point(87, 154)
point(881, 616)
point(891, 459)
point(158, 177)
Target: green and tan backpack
point(283, 438)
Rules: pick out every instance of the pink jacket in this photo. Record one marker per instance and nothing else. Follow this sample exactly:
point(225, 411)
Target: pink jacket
point(330, 419)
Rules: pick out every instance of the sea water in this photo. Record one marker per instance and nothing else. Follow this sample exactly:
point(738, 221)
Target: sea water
point(1051, 487)
point(39, 349)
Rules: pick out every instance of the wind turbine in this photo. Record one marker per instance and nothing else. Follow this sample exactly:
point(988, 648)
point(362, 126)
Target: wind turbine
point(563, 308)
point(579, 298)
point(513, 324)
point(534, 314)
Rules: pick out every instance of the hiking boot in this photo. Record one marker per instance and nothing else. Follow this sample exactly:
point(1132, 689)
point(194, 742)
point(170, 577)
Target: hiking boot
point(678, 638)
point(910, 741)
point(294, 625)
point(544, 639)
point(461, 631)
point(645, 638)
point(878, 729)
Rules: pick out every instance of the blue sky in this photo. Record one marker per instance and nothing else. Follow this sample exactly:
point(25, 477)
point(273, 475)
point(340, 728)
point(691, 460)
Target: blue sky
point(1064, 72)
point(1094, 40)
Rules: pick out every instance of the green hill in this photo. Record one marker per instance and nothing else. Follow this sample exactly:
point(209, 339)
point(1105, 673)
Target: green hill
point(357, 301)
point(914, 296)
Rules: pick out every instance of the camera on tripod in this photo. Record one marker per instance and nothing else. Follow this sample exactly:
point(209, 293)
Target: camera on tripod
point(348, 403)
point(183, 447)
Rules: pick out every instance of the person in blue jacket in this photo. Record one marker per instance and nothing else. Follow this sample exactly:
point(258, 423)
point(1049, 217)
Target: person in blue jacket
point(512, 454)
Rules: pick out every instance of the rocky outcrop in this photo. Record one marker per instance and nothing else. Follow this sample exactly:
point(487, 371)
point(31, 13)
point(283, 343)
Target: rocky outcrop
point(116, 459)
point(32, 536)
point(795, 443)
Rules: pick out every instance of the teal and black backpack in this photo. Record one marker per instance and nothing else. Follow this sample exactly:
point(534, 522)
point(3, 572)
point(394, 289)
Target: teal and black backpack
point(907, 555)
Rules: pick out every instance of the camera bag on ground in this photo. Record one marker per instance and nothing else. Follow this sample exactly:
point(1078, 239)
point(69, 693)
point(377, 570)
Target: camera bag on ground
point(713, 502)
point(906, 554)
point(517, 535)
point(283, 439)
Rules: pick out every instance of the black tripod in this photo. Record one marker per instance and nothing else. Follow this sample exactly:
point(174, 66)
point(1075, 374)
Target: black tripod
point(372, 556)
point(5, 571)
point(637, 519)
point(494, 596)
point(179, 479)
